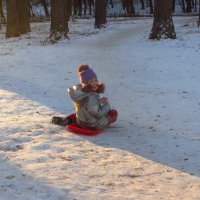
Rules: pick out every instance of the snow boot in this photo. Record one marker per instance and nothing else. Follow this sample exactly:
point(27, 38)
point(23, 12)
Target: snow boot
point(64, 120)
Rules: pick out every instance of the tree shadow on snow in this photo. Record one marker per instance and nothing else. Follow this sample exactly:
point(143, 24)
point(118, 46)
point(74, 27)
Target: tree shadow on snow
point(163, 147)
point(53, 96)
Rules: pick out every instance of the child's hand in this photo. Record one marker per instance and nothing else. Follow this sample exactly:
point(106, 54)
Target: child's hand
point(104, 100)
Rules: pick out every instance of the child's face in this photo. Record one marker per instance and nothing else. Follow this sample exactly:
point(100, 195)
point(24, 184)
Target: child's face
point(93, 82)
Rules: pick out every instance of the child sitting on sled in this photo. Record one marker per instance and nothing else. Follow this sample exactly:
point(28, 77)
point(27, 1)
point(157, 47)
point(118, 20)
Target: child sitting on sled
point(92, 112)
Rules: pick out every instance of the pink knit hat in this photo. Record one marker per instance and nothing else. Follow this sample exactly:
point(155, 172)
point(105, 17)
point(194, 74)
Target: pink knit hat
point(85, 74)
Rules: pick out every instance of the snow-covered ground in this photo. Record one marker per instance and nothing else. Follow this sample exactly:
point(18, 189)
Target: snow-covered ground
point(151, 152)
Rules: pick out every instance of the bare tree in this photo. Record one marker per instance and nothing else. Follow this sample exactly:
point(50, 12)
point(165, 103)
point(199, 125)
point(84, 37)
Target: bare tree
point(129, 6)
point(17, 18)
point(44, 4)
point(199, 14)
point(60, 13)
point(100, 13)
point(12, 19)
point(1, 10)
point(189, 6)
point(182, 5)
point(173, 5)
point(142, 3)
point(163, 23)
point(151, 6)
point(75, 7)
point(90, 3)
point(23, 16)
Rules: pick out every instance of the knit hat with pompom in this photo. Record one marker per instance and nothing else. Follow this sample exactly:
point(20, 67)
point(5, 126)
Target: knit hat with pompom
point(85, 73)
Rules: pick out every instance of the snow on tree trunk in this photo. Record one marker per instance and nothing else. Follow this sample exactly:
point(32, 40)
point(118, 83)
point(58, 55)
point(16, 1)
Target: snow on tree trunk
point(100, 13)
point(59, 19)
point(163, 23)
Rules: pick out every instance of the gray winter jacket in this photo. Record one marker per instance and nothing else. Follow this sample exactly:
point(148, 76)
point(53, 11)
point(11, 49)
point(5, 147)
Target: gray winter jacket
point(89, 111)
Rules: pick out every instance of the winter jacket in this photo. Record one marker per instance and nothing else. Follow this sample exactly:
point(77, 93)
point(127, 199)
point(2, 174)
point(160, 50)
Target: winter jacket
point(89, 111)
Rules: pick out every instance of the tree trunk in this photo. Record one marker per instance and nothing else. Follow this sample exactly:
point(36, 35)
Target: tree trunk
point(17, 18)
point(111, 3)
point(142, 3)
point(100, 13)
point(199, 14)
point(85, 6)
point(59, 19)
point(44, 4)
point(91, 3)
point(1, 11)
point(163, 23)
point(12, 29)
point(131, 7)
point(23, 13)
point(123, 4)
point(195, 6)
point(80, 8)
point(189, 6)
point(183, 5)
point(75, 7)
point(151, 6)
point(69, 8)
point(173, 5)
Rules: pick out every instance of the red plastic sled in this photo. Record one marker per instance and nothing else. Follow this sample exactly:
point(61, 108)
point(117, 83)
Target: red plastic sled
point(75, 128)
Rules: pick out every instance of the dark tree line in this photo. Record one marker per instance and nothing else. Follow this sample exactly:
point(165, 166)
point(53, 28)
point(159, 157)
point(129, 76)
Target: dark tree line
point(18, 17)
point(18, 14)
point(79, 4)
point(186, 5)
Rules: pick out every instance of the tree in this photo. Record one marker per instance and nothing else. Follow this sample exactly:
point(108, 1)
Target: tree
point(182, 5)
point(23, 16)
point(189, 6)
point(142, 3)
point(80, 4)
point(17, 18)
point(151, 6)
point(90, 4)
point(100, 13)
point(60, 14)
point(44, 4)
point(1, 11)
point(129, 5)
point(173, 5)
point(162, 23)
point(199, 14)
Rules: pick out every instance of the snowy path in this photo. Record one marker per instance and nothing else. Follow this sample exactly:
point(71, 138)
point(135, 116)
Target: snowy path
point(152, 152)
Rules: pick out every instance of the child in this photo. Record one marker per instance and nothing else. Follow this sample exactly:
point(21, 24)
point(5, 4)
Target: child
point(92, 112)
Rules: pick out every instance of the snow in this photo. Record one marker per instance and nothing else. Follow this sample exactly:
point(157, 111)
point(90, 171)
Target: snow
point(151, 152)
